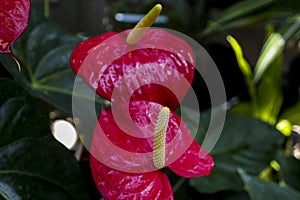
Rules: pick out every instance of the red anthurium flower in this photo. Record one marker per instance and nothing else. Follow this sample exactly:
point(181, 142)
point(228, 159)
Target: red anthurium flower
point(103, 60)
point(14, 15)
point(183, 155)
point(140, 134)
point(119, 185)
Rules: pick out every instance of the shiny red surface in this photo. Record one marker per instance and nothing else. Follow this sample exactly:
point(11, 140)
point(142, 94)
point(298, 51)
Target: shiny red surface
point(14, 15)
point(106, 59)
point(103, 62)
point(117, 184)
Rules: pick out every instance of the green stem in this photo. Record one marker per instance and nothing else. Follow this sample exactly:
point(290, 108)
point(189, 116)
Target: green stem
point(178, 184)
point(47, 8)
point(67, 92)
point(4, 195)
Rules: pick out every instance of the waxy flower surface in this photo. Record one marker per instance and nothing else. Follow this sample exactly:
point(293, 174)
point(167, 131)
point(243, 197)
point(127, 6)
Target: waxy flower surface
point(140, 134)
point(102, 63)
point(14, 15)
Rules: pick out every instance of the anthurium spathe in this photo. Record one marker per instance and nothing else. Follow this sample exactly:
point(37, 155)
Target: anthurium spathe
point(14, 15)
point(145, 79)
point(103, 60)
point(120, 177)
point(190, 160)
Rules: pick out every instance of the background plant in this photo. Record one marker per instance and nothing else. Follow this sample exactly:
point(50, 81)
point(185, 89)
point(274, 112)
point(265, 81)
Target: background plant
point(253, 157)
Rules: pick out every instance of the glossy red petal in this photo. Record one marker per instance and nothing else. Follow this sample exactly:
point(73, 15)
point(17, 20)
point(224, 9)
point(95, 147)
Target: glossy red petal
point(14, 15)
point(84, 48)
point(146, 74)
point(125, 142)
point(134, 132)
point(120, 136)
point(194, 162)
point(124, 152)
point(138, 71)
point(114, 184)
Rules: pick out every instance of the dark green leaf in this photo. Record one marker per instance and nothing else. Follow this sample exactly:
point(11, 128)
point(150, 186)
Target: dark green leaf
point(18, 185)
point(39, 169)
point(9, 89)
point(245, 142)
point(241, 14)
point(183, 191)
point(19, 116)
point(292, 5)
point(226, 195)
point(252, 19)
point(244, 8)
point(263, 190)
point(44, 38)
point(290, 168)
point(46, 72)
point(89, 180)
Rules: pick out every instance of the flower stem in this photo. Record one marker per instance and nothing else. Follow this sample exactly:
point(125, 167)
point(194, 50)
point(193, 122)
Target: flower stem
point(178, 184)
point(47, 8)
point(17, 62)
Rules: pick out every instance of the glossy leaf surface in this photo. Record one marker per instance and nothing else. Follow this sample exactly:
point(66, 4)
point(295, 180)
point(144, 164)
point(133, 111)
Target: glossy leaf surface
point(52, 173)
point(46, 71)
point(30, 166)
point(290, 167)
point(19, 116)
point(241, 144)
point(262, 190)
point(240, 14)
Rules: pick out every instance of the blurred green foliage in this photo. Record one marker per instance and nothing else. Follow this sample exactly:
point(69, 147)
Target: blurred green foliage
point(252, 157)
